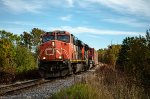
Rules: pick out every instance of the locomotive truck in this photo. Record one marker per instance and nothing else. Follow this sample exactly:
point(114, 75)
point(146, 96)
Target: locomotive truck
point(61, 53)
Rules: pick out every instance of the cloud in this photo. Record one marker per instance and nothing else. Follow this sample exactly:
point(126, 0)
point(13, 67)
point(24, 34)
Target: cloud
point(19, 6)
point(127, 21)
point(60, 3)
point(93, 36)
point(138, 7)
point(66, 18)
point(70, 3)
point(35, 6)
point(81, 30)
point(19, 23)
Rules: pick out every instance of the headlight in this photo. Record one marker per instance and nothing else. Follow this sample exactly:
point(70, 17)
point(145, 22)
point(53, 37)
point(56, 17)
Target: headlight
point(53, 44)
point(59, 57)
point(44, 57)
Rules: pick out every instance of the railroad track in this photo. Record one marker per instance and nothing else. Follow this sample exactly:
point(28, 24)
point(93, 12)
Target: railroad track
point(15, 88)
point(20, 86)
point(11, 89)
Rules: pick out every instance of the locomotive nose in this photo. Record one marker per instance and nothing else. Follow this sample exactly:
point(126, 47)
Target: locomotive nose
point(52, 50)
point(47, 51)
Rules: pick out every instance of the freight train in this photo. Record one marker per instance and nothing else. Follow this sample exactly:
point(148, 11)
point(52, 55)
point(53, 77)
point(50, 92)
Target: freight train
point(61, 53)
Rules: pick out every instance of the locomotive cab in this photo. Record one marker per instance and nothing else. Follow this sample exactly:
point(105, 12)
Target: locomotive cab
point(55, 46)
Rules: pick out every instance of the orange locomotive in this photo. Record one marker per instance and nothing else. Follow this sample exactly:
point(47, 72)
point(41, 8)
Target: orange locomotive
point(61, 53)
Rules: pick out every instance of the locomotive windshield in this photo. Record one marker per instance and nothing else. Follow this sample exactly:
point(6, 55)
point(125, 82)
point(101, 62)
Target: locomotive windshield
point(48, 38)
point(64, 38)
point(61, 36)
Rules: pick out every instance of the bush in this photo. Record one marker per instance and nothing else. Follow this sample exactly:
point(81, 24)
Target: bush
point(134, 58)
point(15, 58)
point(7, 64)
point(109, 55)
point(7, 75)
point(118, 84)
point(30, 74)
point(25, 60)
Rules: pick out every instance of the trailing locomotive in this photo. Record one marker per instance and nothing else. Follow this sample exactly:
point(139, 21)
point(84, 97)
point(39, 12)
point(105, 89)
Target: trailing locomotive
point(61, 53)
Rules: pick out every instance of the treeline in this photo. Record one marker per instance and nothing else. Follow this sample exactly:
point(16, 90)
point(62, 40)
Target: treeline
point(109, 55)
point(134, 58)
point(18, 53)
point(131, 57)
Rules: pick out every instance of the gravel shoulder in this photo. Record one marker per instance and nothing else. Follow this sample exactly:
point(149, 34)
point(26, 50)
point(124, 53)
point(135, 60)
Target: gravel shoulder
point(46, 90)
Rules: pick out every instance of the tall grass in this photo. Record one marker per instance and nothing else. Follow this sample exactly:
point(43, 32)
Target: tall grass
point(104, 83)
point(119, 85)
point(80, 91)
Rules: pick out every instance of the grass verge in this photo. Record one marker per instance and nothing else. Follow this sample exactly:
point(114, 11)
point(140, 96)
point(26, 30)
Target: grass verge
point(79, 91)
point(105, 83)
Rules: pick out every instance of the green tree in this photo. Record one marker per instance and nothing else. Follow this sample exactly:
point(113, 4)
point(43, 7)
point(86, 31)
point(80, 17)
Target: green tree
point(16, 56)
point(25, 60)
point(109, 55)
point(26, 39)
point(36, 34)
point(7, 64)
point(7, 53)
point(10, 36)
point(101, 53)
point(134, 58)
point(36, 39)
point(7, 50)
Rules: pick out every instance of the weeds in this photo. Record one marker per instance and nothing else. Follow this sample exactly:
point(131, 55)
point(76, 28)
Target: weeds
point(119, 85)
point(105, 83)
point(78, 91)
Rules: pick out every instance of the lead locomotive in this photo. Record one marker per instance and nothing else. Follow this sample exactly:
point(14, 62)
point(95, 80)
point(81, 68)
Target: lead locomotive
point(61, 53)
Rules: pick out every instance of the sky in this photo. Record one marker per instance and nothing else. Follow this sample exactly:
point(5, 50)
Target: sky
point(97, 23)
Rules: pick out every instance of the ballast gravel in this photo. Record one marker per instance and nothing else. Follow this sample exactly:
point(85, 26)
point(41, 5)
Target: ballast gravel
point(46, 90)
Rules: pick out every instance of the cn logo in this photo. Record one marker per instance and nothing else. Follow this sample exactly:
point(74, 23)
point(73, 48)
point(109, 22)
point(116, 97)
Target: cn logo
point(49, 51)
